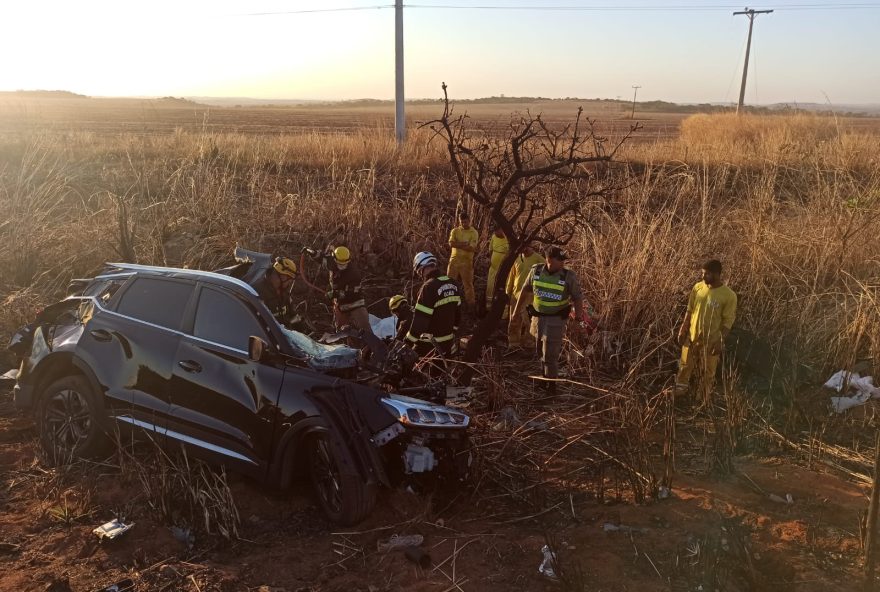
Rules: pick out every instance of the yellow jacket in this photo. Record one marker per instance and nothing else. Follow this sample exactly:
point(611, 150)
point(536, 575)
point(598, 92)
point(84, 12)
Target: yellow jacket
point(499, 246)
point(519, 275)
point(711, 310)
point(470, 236)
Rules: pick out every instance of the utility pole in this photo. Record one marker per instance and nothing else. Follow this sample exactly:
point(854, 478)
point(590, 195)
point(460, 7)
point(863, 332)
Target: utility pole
point(751, 14)
point(635, 92)
point(399, 115)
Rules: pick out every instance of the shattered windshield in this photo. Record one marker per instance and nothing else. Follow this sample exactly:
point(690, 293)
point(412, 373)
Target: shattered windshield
point(321, 356)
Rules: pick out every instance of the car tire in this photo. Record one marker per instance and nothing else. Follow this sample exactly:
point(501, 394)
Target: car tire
point(343, 495)
point(70, 420)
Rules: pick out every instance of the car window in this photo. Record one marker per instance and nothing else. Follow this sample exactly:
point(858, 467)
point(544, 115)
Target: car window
point(160, 302)
point(222, 319)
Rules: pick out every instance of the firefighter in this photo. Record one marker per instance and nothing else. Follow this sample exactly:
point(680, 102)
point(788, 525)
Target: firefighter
point(402, 311)
point(711, 311)
point(463, 239)
point(499, 246)
point(518, 326)
point(438, 308)
point(554, 291)
point(276, 288)
point(349, 307)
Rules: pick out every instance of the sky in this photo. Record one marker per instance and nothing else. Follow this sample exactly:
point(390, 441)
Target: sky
point(676, 50)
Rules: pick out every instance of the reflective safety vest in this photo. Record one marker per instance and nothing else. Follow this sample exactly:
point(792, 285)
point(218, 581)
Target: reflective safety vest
point(550, 294)
point(437, 311)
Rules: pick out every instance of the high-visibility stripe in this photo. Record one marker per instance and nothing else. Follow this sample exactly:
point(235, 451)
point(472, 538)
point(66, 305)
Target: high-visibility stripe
point(411, 337)
point(444, 338)
point(554, 287)
point(447, 300)
point(539, 304)
point(430, 338)
point(443, 278)
point(424, 309)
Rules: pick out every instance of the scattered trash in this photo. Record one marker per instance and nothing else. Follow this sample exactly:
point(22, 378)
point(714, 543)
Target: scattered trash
point(663, 492)
point(417, 556)
point(383, 328)
point(546, 567)
point(611, 527)
point(9, 548)
point(788, 499)
point(184, 535)
point(112, 529)
point(507, 419)
point(398, 542)
point(843, 381)
point(121, 586)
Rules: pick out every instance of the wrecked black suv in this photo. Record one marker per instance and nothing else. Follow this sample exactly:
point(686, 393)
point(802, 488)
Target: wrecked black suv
point(195, 359)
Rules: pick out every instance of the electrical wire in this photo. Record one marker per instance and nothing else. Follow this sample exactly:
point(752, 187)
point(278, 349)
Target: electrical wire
point(586, 8)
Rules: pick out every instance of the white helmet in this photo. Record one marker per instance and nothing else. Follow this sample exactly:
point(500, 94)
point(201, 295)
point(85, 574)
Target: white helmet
point(422, 260)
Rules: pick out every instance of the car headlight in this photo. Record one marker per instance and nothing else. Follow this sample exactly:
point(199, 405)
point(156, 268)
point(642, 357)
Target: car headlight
point(410, 411)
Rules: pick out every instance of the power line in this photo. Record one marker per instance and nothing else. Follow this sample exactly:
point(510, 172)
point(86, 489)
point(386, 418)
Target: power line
point(643, 8)
point(583, 8)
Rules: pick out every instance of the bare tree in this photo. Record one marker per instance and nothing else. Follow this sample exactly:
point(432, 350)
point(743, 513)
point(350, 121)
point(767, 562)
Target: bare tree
point(536, 183)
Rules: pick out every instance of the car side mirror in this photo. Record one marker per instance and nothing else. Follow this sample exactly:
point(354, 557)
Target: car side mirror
point(256, 348)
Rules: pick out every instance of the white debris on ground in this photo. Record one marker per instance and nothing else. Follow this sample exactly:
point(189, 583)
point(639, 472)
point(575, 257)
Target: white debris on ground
point(844, 382)
point(383, 328)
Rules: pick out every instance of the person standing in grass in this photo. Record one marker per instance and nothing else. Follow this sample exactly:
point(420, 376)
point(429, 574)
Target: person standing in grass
point(711, 311)
point(463, 239)
point(555, 290)
point(518, 327)
point(499, 246)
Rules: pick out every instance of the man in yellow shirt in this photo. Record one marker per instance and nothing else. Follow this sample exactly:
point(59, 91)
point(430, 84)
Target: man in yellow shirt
point(710, 314)
point(464, 240)
point(498, 249)
point(518, 326)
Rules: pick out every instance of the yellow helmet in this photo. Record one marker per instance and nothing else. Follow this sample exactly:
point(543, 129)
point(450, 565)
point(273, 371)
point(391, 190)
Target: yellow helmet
point(342, 255)
point(395, 301)
point(285, 266)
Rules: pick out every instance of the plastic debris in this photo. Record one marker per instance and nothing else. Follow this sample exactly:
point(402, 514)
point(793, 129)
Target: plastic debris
point(546, 567)
point(398, 542)
point(384, 328)
point(113, 529)
point(10, 376)
point(788, 499)
point(843, 381)
point(611, 527)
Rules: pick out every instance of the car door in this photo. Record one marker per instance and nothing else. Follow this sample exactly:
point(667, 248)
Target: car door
point(224, 405)
point(131, 347)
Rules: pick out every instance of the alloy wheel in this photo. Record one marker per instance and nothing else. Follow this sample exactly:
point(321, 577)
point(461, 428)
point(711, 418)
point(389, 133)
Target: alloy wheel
point(67, 419)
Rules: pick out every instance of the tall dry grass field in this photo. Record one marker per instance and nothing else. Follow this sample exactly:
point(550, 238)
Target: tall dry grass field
point(790, 204)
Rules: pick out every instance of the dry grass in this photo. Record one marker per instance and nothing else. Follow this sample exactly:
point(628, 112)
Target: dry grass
point(790, 204)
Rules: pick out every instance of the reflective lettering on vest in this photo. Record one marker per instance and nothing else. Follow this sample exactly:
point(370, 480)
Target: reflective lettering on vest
point(549, 291)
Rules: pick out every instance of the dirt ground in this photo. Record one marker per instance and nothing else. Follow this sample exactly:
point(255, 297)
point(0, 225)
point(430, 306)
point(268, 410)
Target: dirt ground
point(719, 534)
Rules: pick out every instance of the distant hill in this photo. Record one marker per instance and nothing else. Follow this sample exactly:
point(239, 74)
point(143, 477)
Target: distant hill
point(43, 94)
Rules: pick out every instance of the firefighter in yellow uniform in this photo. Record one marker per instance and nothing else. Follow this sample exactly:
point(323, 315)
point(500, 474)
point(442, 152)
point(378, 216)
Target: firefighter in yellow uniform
point(711, 312)
point(555, 290)
point(518, 327)
point(498, 249)
point(464, 240)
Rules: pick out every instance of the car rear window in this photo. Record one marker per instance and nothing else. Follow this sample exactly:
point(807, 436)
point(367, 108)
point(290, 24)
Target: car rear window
point(160, 302)
point(223, 319)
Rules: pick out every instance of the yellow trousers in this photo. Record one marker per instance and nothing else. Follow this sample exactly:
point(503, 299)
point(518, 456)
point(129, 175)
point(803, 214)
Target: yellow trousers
point(462, 271)
point(517, 327)
point(696, 355)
